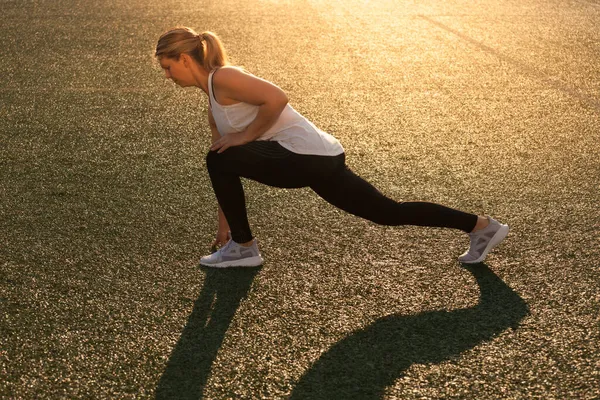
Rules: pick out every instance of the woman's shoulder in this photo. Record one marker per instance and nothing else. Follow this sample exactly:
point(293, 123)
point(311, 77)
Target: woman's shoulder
point(233, 79)
point(228, 72)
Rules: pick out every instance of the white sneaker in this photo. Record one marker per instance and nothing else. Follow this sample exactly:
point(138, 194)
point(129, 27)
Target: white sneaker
point(483, 241)
point(234, 255)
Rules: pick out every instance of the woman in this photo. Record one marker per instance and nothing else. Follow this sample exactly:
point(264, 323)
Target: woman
point(257, 135)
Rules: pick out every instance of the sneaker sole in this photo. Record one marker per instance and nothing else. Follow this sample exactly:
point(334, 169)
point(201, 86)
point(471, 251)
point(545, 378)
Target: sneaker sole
point(244, 262)
point(494, 241)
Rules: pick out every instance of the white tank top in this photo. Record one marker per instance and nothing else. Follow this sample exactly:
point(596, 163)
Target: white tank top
point(292, 130)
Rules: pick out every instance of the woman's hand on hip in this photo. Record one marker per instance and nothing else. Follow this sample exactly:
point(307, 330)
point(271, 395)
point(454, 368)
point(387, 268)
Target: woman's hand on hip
point(230, 140)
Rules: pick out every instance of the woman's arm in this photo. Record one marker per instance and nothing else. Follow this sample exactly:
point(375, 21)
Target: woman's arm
point(223, 231)
point(237, 85)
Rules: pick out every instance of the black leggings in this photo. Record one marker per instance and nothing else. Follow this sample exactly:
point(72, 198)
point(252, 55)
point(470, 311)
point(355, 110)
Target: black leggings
point(270, 163)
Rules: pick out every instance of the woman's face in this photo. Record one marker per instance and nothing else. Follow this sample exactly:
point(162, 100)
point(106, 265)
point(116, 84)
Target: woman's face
point(177, 71)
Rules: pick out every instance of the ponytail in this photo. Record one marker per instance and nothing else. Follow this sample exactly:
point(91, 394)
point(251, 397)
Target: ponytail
point(206, 49)
point(214, 52)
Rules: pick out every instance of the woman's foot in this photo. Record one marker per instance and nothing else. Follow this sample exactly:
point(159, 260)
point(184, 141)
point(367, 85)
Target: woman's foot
point(234, 255)
point(483, 240)
point(482, 222)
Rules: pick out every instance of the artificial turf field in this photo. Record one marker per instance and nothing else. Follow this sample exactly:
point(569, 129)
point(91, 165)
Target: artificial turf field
point(491, 107)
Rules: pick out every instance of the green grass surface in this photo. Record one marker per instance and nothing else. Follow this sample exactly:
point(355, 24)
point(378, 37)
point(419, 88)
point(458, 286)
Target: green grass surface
point(490, 107)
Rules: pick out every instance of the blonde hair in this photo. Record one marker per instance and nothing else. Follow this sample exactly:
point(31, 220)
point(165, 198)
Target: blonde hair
point(206, 48)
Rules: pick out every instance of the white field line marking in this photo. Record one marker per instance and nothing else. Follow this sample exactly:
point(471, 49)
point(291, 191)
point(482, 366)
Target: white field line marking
point(563, 87)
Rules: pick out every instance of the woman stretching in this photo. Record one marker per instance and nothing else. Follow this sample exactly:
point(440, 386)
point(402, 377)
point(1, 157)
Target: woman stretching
point(257, 135)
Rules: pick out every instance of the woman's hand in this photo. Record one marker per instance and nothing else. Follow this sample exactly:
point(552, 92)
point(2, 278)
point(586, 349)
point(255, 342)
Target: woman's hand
point(222, 238)
point(229, 140)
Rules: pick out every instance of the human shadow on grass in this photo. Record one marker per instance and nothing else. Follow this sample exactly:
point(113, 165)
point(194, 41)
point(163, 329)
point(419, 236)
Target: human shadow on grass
point(189, 366)
point(367, 361)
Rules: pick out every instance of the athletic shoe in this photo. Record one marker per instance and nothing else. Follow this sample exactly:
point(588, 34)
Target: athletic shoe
point(483, 241)
point(234, 255)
